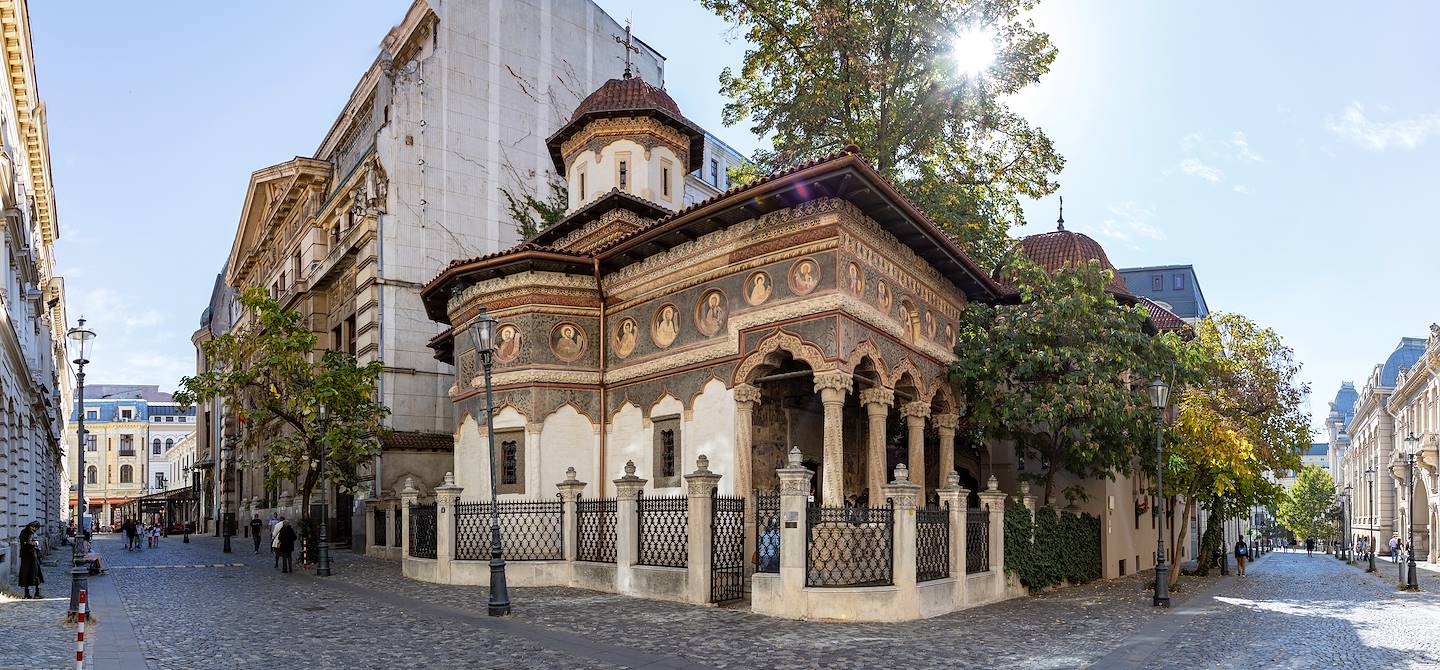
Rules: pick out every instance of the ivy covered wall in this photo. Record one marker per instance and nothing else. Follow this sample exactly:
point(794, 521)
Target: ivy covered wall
point(1065, 548)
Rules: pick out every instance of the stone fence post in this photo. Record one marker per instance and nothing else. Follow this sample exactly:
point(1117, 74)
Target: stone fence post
point(954, 496)
point(794, 498)
point(1030, 501)
point(701, 508)
point(408, 497)
point(446, 496)
point(570, 491)
point(627, 528)
point(903, 493)
point(994, 498)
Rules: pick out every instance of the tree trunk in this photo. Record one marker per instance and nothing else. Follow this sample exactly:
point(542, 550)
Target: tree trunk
point(1174, 551)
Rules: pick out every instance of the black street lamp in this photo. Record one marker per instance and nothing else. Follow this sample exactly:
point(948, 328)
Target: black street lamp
point(482, 336)
point(1347, 543)
point(1370, 548)
point(1412, 448)
point(79, 570)
point(185, 518)
point(322, 551)
point(1159, 395)
point(227, 457)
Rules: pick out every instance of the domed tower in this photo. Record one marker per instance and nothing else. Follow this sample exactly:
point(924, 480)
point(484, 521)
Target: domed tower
point(1060, 247)
point(627, 136)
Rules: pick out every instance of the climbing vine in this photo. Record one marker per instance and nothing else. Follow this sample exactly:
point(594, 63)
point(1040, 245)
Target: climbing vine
point(1056, 547)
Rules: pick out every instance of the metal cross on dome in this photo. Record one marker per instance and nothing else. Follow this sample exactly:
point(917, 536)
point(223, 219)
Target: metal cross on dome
point(629, 45)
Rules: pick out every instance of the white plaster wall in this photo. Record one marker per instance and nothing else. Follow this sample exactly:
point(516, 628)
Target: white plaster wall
point(711, 431)
point(646, 174)
point(472, 452)
point(567, 440)
point(627, 439)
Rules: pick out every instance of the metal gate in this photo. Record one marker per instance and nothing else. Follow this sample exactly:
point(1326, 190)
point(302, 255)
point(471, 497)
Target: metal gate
point(727, 549)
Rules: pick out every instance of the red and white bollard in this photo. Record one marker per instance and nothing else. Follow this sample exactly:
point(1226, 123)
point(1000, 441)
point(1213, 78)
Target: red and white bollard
point(80, 634)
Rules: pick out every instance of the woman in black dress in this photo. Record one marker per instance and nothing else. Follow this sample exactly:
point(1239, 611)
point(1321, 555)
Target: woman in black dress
point(30, 574)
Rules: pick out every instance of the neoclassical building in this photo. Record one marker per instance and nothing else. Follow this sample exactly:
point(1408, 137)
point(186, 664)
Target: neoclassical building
point(814, 308)
point(1376, 445)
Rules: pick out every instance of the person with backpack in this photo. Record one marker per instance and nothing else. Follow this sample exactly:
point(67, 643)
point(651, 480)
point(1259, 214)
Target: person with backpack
point(1242, 552)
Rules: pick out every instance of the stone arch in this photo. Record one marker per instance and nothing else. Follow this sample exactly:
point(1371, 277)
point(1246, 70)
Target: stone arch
point(906, 368)
point(867, 349)
point(942, 396)
point(627, 402)
point(689, 403)
point(768, 353)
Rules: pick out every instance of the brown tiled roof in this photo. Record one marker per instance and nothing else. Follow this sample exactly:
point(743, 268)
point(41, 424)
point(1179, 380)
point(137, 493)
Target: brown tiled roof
point(414, 440)
point(1164, 319)
point(625, 95)
point(1059, 248)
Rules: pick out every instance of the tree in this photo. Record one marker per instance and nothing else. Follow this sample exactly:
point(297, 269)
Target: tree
point(530, 212)
point(1051, 372)
point(1309, 510)
point(272, 378)
point(884, 75)
point(1238, 415)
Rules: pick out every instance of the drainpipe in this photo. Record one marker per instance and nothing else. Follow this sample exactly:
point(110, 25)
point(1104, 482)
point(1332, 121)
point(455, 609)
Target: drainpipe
point(604, 414)
point(380, 327)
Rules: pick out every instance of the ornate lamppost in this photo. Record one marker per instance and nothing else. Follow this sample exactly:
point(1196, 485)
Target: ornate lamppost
point(482, 336)
point(1347, 543)
point(227, 457)
point(79, 571)
point(185, 518)
point(322, 550)
point(1159, 395)
point(1412, 448)
point(1370, 548)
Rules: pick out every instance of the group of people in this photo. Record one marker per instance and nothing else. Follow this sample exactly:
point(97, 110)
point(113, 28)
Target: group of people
point(282, 539)
point(135, 530)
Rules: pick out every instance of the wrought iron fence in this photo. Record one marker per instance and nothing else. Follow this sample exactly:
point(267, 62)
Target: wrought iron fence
point(399, 524)
point(530, 530)
point(381, 526)
point(663, 524)
point(850, 546)
point(422, 530)
point(595, 530)
point(767, 531)
point(727, 549)
point(977, 540)
point(932, 543)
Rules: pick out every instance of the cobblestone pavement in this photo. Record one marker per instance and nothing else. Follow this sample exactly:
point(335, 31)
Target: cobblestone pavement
point(33, 633)
point(1292, 611)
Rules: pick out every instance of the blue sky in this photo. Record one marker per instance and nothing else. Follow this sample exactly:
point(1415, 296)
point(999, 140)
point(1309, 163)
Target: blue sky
point(1288, 152)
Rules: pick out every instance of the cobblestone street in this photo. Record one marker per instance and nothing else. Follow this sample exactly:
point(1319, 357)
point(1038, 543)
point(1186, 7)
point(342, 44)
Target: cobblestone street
point(190, 606)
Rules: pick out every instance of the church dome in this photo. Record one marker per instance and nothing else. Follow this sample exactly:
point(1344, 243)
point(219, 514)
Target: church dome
point(630, 94)
point(1058, 248)
point(630, 97)
point(1404, 357)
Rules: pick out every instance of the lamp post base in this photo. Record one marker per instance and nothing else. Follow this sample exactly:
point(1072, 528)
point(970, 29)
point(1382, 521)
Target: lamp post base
point(79, 581)
point(1162, 586)
point(322, 554)
point(1412, 582)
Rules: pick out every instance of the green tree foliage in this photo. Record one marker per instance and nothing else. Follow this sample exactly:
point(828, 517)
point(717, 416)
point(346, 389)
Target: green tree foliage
point(1238, 415)
point(271, 376)
point(1050, 373)
point(882, 74)
point(1310, 508)
point(1052, 549)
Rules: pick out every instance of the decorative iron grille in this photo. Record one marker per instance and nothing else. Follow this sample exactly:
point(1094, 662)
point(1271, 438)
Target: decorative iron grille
point(767, 531)
point(422, 531)
point(663, 525)
point(932, 543)
point(977, 541)
point(399, 524)
point(727, 549)
point(381, 525)
point(530, 530)
point(595, 530)
point(850, 546)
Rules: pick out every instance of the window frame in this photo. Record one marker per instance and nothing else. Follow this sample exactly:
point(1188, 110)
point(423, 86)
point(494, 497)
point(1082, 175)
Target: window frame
point(516, 435)
point(661, 426)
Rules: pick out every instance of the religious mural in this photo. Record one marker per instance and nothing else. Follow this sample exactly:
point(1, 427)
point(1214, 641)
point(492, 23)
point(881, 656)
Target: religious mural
point(666, 325)
point(804, 276)
point(856, 281)
point(882, 296)
point(509, 346)
point(567, 341)
point(758, 288)
point(711, 312)
point(625, 335)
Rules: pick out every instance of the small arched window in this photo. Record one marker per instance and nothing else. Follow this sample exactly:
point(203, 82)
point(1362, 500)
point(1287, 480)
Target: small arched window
point(127, 474)
point(155, 446)
point(169, 444)
point(90, 475)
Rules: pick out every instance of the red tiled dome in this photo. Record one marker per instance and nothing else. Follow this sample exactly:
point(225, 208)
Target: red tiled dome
point(626, 94)
point(1059, 248)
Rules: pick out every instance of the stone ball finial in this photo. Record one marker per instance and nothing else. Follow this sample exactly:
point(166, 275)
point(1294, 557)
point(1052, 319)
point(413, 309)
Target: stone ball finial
point(993, 484)
point(953, 479)
point(629, 468)
point(795, 457)
point(410, 486)
point(570, 474)
point(449, 479)
point(902, 474)
point(702, 464)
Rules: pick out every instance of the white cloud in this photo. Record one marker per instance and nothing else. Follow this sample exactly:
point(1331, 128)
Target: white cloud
point(1352, 124)
point(136, 345)
point(1240, 148)
point(1240, 188)
point(1235, 148)
point(1197, 168)
point(1128, 223)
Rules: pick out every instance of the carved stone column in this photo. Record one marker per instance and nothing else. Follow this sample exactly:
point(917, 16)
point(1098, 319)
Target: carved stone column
point(700, 507)
point(953, 495)
point(904, 493)
point(945, 426)
point(994, 499)
point(570, 491)
point(627, 528)
point(877, 402)
point(832, 386)
point(408, 497)
point(746, 398)
point(794, 498)
point(915, 414)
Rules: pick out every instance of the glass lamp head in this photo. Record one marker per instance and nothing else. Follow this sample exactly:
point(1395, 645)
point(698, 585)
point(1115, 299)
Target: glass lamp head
point(1159, 393)
point(1412, 444)
point(1369, 475)
point(81, 336)
point(482, 333)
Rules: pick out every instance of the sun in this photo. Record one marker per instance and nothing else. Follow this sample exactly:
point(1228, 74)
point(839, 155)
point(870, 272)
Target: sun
point(973, 50)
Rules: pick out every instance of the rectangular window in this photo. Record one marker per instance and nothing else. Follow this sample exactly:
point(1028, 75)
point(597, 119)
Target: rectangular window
point(90, 443)
point(155, 447)
point(350, 334)
point(665, 181)
point(582, 185)
point(1157, 282)
point(127, 414)
point(337, 338)
point(127, 445)
point(92, 415)
point(668, 451)
point(169, 419)
point(1179, 282)
point(624, 175)
point(510, 448)
point(715, 172)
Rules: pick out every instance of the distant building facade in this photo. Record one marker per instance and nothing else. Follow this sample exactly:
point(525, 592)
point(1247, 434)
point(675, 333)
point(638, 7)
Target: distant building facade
point(122, 459)
point(1375, 447)
point(1174, 287)
point(34, 379)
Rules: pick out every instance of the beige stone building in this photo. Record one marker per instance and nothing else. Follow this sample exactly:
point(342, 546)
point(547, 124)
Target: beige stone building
point(408, 177)
point(1376, 444)
point(34, 379)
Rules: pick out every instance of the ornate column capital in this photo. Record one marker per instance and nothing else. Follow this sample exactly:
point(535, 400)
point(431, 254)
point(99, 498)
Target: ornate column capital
point(746, 394)
point(877, 398)
point(918, 409)
point(946, 421)
point(571, 488)
point(629, 486)
point(702, 482)
point(902, 491)
point(833, 381)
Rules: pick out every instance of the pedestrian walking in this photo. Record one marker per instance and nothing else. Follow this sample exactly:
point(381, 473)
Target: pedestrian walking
point(1309, 546)
point(1242, 552)
point(155, 535)
point(255, 525)
point(30, 573)
point(286, 538)
point(1394, 545)
point(132, 534)
point(275, 538)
